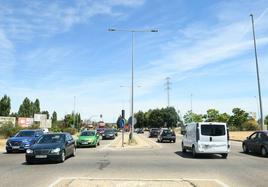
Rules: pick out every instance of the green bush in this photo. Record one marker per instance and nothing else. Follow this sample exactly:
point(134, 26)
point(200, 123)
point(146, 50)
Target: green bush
point(70, 130)
point(9, 129)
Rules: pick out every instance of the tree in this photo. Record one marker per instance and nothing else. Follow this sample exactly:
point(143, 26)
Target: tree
point(266, 120)
point(192, 117)
point(238, 117)
point(54, 117)
point(140, 116)
point(212, 115)
point(5, 106)
point(155, 119)
point(25, 108)
point(45, 112)
point(36, 107)
point(224, 117)
point(170, 116)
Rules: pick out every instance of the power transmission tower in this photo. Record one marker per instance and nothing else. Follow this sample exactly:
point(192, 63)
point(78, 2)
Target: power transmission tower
point(167, 87)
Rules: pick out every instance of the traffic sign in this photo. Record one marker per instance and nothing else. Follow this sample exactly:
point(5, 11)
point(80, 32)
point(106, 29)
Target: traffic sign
point(122, 123)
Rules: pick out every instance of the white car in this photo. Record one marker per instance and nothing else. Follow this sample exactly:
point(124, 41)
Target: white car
point(45, 130)
point(206, 137)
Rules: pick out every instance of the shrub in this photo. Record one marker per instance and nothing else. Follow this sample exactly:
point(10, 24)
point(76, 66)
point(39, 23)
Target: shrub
point(34, 126)
point(9, 129)
point(250, 125)
point(70, 130)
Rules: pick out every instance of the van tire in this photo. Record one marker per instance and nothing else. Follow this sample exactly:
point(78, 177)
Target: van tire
point(224, 155)
point(193, 152)
point(183, 148)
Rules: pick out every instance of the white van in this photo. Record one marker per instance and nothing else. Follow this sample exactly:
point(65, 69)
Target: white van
point(206, 137)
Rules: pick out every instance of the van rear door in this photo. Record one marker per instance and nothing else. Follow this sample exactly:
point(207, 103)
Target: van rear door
point(214, 136)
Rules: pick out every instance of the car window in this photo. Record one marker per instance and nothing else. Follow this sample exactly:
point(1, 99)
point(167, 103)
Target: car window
point(25, 134)
point(253, 136)
point(51, 138)
point(87, 133)
point(264, 137)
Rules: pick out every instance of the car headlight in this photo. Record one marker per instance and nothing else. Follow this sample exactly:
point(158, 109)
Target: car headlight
point(57, 150)
point(29, 151)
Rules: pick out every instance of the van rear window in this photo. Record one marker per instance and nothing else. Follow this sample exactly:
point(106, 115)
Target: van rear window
point(213, 130)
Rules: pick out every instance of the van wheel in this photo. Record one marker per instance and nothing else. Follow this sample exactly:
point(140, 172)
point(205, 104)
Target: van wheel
point(263, 151)
point(224, 155)
point(245, 149)
point(193, 152)
point(183, 148)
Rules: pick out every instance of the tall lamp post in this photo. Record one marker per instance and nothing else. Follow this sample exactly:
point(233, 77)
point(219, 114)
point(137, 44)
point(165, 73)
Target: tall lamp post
point(132, 69)
point(263, 127)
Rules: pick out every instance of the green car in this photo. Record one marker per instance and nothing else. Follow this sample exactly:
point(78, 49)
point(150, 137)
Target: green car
point(88, 139)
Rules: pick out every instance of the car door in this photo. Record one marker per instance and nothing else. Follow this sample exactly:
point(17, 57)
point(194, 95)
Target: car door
point(71, 144)
point(252, 142)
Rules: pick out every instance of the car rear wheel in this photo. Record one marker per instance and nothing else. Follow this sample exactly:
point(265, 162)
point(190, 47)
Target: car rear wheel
point(263, 151)
point(245, 149)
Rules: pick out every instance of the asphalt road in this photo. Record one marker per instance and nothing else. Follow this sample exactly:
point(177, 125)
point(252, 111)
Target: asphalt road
point(166, 162)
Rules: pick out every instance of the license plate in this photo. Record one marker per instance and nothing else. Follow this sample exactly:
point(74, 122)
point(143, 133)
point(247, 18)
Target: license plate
point(40, 156)
point(84, 143)
point(15, 147)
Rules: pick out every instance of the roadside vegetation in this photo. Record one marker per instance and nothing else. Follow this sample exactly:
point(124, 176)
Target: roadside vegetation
point(71, 122)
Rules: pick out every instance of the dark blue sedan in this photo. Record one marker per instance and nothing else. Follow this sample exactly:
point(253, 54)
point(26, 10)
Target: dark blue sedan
point(23, 140)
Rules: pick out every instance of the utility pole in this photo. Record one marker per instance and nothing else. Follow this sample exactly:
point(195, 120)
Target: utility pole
point(191, 103)
point(167, 87)
point(74, 110)
point(263, 127)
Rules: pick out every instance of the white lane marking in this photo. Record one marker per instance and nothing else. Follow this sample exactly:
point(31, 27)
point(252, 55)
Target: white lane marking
point(133, 179)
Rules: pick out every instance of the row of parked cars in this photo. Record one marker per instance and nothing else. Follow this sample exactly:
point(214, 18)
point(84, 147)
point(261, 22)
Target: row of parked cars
point(213, 138)
point(53, 146)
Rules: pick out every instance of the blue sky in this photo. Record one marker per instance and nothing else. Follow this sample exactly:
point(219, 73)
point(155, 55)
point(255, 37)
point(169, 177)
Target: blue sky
point(57, 50)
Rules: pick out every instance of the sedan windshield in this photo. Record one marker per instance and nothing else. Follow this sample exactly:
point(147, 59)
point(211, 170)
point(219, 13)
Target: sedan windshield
point(88, 133)
point(109, 131)
point(51, 138)
point(25, 134)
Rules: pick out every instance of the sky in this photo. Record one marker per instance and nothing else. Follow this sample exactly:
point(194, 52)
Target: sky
point(58, 50)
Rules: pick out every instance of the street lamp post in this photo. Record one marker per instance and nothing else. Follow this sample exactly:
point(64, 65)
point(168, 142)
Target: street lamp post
point(257, 71)
point(132, 70)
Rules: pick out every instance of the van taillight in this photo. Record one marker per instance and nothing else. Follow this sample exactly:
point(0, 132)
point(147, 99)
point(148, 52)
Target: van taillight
point(197, 133)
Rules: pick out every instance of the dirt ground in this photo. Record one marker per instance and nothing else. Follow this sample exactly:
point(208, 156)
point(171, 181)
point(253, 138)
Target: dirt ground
point(2, 143)
point(240, 135)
